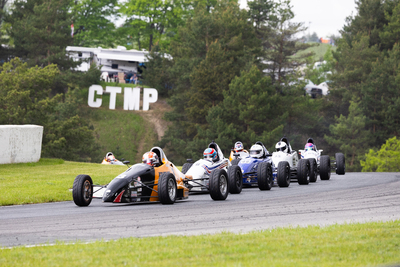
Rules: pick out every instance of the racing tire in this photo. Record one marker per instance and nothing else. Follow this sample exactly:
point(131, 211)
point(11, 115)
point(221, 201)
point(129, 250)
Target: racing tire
point(167, 188)
point(235, 161)
point(313, 170)
point(264, 176)
point(235, 178)
point(218, 184)
point(303, 172)
point(283, 174)
point(325, 168)
point(186, 167)
point(82, 190)
point(340, 164)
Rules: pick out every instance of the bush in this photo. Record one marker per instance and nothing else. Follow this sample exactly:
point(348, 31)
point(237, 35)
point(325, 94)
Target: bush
point(385, 160)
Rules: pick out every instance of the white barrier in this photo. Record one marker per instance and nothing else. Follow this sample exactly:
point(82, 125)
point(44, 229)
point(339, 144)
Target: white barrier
point(20, 143)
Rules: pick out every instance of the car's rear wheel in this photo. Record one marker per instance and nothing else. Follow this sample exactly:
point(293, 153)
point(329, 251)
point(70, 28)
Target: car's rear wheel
point(235, 161)
point(313, 170)
point(186, 167)
point(167, 188)
point(340, 164)
point(283, 174)
point(235, 179)
point(325, 168)
point(264, 176)
point(82, 190)
point(303, 172)
point(218, 184)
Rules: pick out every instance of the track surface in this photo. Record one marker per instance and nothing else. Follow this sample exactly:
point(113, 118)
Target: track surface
point(354, 197)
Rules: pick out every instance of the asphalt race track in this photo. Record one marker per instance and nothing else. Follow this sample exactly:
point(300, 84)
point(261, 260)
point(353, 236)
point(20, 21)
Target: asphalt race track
point(354, 197)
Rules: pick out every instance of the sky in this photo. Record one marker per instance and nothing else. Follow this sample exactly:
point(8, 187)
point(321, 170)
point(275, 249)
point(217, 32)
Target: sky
point(325, 17)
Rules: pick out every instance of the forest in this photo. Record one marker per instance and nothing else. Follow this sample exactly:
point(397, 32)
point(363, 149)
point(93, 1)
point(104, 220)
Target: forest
point(231, 74)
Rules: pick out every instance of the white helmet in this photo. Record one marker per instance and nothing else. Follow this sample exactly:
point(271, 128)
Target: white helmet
point(281, 146)
point(256, 151)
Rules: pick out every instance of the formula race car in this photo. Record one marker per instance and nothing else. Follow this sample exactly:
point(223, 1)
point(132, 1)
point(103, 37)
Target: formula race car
point(110, 159)
point(214, 164)
point(286, 165)
point(321, 164)
point(161, 181)
point(256, 169)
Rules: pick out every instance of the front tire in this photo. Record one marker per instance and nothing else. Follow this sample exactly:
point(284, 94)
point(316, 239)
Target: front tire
point(235, 179)
point(303, 170)
point(313, 170)
point(235, 161)
point(264, 176)
point(325, 168)
point(167, 188)
point(283, 174)
point(340, 164)
point(218, 184)
point(186, 167)
point(82, 190)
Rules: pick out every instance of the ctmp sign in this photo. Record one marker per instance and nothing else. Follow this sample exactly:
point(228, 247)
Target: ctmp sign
point(131, 97)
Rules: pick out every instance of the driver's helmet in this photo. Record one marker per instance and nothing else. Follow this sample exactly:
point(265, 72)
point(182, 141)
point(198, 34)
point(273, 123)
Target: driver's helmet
point(152, 159)
point(210, 154)
point(281, 146)
point(238, 147)
point(145, 157)
point(309, 147)
point(110, 156)
point(256, 151)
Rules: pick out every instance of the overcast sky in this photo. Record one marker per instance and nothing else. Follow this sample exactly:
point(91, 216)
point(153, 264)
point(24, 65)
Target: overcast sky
point(325, 17)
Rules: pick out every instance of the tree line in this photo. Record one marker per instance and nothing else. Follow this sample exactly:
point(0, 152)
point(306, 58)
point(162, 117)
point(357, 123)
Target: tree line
point(229, 74)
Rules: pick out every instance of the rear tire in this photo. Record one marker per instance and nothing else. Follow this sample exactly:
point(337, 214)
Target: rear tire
point(340, 164)
point(235, 161)
point(283, 174)
point(303, 172)
point(82, 190)
point(167, 188)
point(186, 167)
point(218, 184)
point(264, 176)
point(235, 179)
point(313, 170)
point(325, 168)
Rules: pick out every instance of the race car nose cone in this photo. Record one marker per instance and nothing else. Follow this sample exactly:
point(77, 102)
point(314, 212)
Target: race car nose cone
point(108, 197)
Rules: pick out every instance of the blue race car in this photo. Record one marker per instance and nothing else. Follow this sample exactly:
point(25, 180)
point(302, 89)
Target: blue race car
point(257, 168)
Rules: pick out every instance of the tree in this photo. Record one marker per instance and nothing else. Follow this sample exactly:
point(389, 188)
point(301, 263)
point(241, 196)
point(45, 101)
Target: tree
point(93, 25)
point(41, 31)
point(384, 160)
point(25, 99)
point(350, 136)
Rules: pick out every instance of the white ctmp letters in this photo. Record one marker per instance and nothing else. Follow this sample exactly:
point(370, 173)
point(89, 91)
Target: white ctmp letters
point(131, 97)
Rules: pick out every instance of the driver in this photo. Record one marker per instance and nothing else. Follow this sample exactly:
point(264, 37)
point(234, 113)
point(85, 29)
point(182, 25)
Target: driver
point(210, 154)
point(151, 159)
point(281, 146)
point(110, 157)
point(310, 147)
point(256, 151)
point(238, 149)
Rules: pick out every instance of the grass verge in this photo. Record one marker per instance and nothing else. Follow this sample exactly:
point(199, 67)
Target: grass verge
point(369, 244)
point(48, 180)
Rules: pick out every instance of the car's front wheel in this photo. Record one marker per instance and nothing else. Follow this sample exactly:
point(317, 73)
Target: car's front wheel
point(303, 172)
point(82, 190)
point(218, 184)
point(283, 174)
point(235, 179)
point(167, 188)
point(340, 164)
point(325, 167)
point(264, 176)
point(313, 170)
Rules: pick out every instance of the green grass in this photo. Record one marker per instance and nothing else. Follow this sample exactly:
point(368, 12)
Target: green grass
point(123, 132)
point(319, 50)
point(48, 180)
point(370, 244)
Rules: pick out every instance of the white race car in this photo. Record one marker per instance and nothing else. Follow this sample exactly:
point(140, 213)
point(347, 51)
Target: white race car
point(321, 164)
point(203, 169)
point(286, 165)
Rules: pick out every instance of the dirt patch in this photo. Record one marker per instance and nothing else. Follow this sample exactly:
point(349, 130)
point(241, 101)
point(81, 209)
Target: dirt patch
point(155, 116)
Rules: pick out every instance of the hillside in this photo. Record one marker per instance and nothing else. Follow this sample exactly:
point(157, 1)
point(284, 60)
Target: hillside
point(319, 50)
point(128, 134)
